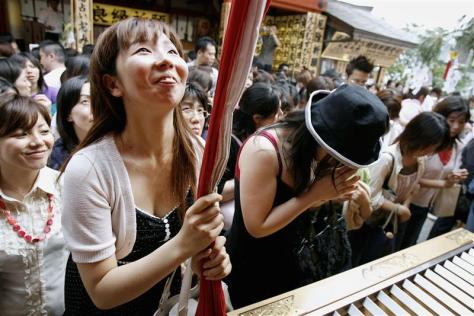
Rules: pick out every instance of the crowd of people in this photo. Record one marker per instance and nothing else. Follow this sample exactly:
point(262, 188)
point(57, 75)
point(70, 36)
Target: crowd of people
point(100, 154)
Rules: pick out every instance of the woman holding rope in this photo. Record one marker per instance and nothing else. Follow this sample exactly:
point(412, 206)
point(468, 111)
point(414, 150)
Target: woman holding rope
point(128, 189)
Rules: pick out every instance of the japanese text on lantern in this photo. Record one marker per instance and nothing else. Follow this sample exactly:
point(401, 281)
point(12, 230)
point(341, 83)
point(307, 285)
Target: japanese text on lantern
point(107, 14)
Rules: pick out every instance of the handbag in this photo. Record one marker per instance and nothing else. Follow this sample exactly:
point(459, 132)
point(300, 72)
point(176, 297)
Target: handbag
point(170, 305)
point(323, 248)
point(351, 211)
point(446, 200)
point(387, 222)
point(186, 302)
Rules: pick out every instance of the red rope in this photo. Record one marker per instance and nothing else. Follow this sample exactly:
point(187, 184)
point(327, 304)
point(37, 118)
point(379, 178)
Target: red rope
point(211, 299)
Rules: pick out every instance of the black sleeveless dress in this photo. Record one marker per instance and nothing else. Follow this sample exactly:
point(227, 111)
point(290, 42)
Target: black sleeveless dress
point(152, 233)
point(263, 267)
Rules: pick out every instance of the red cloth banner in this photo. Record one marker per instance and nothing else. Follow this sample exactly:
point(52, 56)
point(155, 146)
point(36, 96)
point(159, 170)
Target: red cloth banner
point(446, 71)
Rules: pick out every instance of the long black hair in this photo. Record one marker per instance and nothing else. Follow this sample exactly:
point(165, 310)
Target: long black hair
point(68, 97)
point(300, 150)
point(10, 69)
point(76, 66)
point(425, 130)
point(260, 98)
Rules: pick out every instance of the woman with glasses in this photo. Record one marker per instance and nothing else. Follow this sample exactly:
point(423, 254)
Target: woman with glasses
point(194, 107)
point(287, 170)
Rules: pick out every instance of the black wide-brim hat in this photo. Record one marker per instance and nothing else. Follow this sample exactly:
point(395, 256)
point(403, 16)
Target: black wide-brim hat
point(348, 123)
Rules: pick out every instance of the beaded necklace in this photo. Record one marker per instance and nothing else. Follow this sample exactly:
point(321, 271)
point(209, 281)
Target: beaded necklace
point(20, 231)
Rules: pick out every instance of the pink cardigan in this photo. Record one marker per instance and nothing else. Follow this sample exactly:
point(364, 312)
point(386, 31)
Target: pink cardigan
point(99, 210)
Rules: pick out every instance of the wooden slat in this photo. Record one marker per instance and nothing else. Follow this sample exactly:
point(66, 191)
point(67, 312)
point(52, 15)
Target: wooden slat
point(356, 284)
point(449, 288)
point(467, 257)
point(426, 299)
point(408, 301)
point(391, 304)
point(372, 307)
point(466, 276)
point(354, 311)
point(464, 264)
point(454, 279)
point(442, 296)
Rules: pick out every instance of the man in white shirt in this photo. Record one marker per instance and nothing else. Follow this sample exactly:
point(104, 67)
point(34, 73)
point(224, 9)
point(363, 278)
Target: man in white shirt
point(206, 56)
point(52, 19)
point(52, 58)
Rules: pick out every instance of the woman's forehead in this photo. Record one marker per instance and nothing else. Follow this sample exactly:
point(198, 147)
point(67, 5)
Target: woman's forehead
point(141, 32)
point(192, 101)
point(457, 115)
point(162, 41)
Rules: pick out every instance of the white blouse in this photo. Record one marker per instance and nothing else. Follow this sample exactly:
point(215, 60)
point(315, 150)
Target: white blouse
point(437, 171)
point(32, 275)
point(396, 128)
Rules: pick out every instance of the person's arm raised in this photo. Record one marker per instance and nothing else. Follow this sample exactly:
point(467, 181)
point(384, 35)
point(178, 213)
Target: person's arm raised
point(258, 165)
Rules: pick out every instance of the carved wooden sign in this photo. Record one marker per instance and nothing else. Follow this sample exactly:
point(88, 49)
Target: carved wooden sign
point(105, 14)
point(343, 48)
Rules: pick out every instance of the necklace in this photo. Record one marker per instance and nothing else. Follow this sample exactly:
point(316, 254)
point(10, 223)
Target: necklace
point(20, 231)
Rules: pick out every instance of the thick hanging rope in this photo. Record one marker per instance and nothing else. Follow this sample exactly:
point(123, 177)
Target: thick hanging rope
point(236, 60)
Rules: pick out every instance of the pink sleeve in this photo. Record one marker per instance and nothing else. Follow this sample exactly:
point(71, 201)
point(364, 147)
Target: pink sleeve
point(86, 218)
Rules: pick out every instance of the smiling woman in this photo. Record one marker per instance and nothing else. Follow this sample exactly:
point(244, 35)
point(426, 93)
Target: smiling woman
point(32, 250)
point(129, 222)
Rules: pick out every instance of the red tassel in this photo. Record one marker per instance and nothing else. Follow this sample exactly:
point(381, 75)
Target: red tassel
point(215, 302)
point(448, 66)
